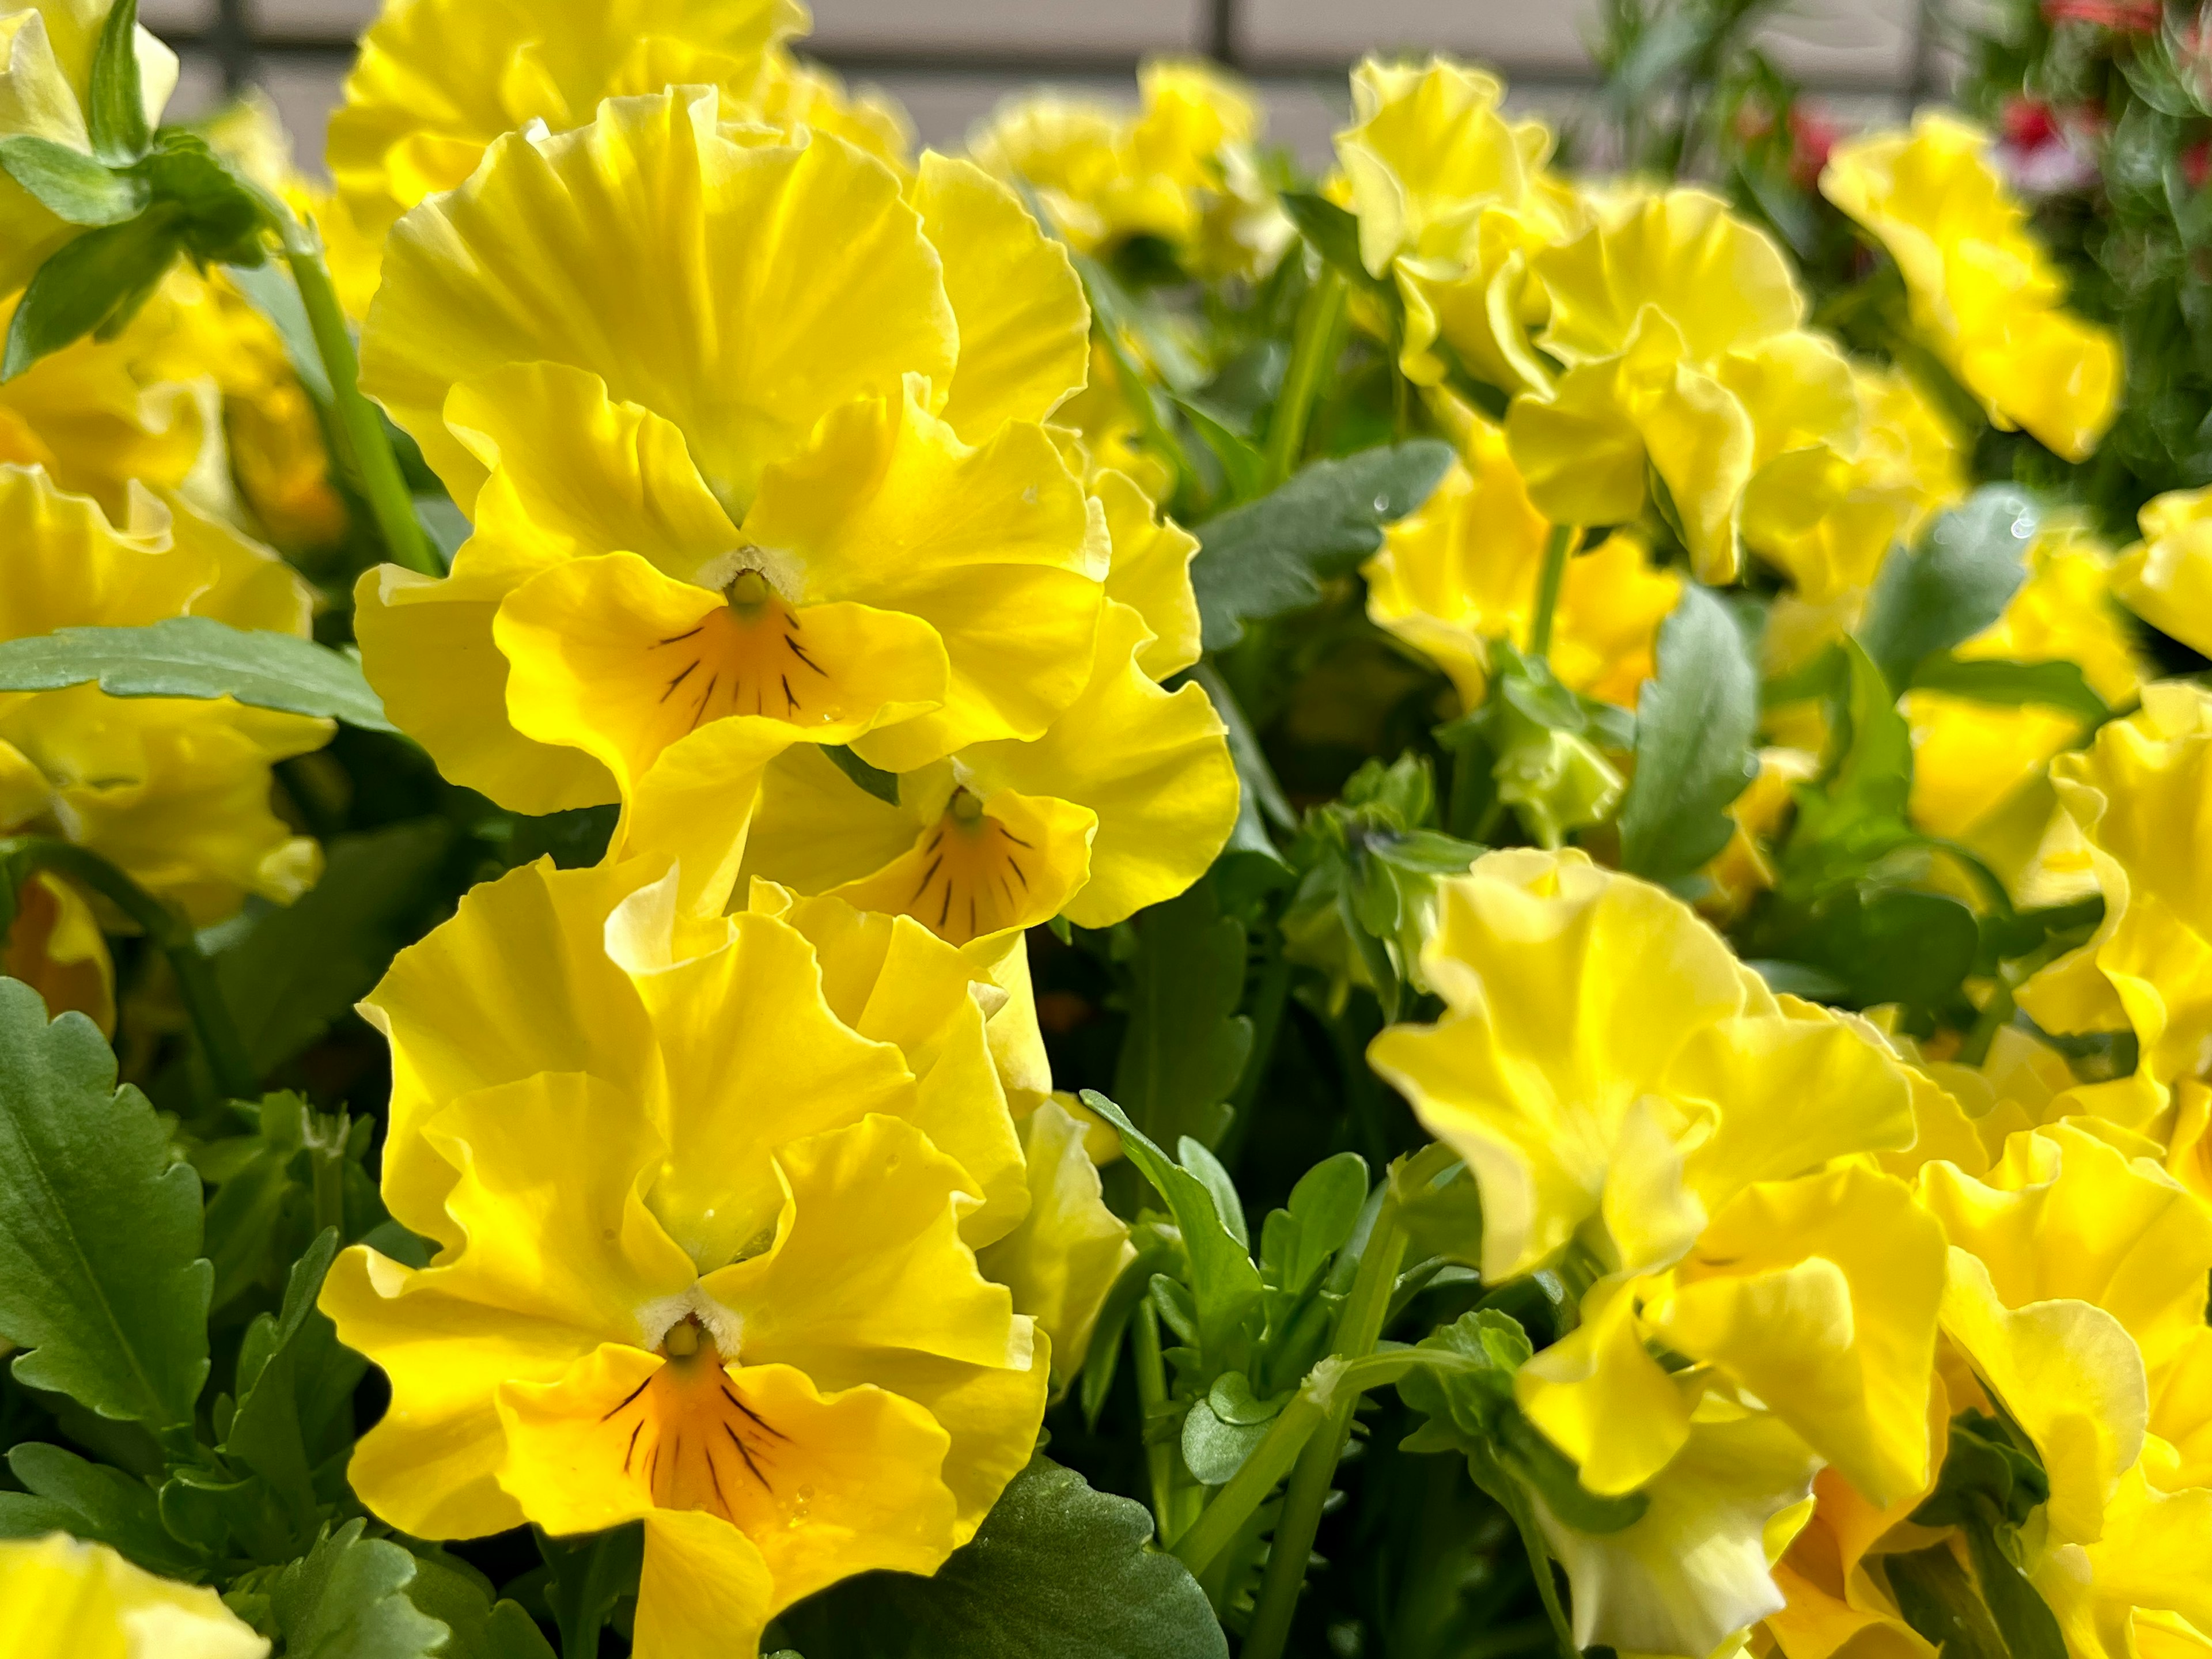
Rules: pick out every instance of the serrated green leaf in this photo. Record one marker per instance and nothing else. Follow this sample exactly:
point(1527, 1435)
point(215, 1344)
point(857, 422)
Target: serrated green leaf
point(2048, 684)
point(115, 112)
point(347, 1599)
point(295, 1396)
point(1268, 557)
point(62, 1492)
point(1954, 585)
point(458, 1597)
point(1225, 1285)
point(1057, 1572)
point(304, 965)
point(92, 285)
point(69, 184)
point(1696, 723)
point(197, 657)
point(1186, 1044)
point(100, 1273)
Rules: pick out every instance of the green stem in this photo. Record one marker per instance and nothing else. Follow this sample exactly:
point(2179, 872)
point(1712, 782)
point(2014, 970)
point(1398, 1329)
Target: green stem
point(1151, 1394)
point(171, 934)
point(1309, 360)
point(390, 501)
point(327, 1136)
point(1359, 1326)
point(1557, 548)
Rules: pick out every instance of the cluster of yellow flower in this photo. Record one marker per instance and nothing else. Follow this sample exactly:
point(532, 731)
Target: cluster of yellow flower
point(800, 535)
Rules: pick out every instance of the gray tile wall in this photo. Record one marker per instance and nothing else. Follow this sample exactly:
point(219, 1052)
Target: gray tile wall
point(952, 61)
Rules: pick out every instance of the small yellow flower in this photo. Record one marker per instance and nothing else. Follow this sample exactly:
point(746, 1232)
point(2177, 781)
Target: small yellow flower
point(1686, 361)
point(1123, 802)
point(1462, 572)
point(2167, 578)
point(45, 77)
point(716, 1274)
point(2137, 793)
point(1452, 199)
point(1180, 169)
point(1623, 1089)
point(437, 81)
point(61, 1598)
point(821, 510)
point(1983, 290)
point(174, 791)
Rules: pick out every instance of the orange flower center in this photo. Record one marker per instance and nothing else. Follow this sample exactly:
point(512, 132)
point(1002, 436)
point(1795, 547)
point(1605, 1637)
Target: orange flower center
point(692, 1442)
point(972, 880)
point(746, 658)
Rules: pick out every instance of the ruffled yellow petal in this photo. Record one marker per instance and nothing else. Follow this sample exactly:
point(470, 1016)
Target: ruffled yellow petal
point(517, 982)
point(2167, 580)
point(1568, 990)
point(703, 1586)
point(1151, 573)
point(1024, 326)
point(991, 545)
point(62, 1598)
point(1599, 1395)
point(736, 1090)
point(788, 280)
point(1065, 1254)
point(1152, 766)
point(611, 657)
point(984, 865)
point(1820, 1296)
point(2068, 1374)
point(1694, 1572)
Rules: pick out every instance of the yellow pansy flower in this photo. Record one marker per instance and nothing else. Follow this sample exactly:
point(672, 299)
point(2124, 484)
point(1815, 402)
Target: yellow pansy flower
point(713, 1274)
point(1123, 802)
point(2076, 1292)
point(1681, 330)
point(173, 791)
point(437, 81)
point(1621, 1087)
point(1983, 290)
point(2167, 580)
point(46, 86)
point(1463, 570)
point(1971, 759)
point(1452, 199)
point(811, 530)
point(61, 1598)
point(1180, 168)
point(2137, 794)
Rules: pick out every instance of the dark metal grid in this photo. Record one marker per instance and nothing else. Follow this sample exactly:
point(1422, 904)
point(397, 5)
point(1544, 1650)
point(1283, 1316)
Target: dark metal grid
point(238, 48)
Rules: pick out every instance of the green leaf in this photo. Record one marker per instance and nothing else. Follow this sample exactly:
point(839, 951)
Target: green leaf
point(883, 785)
point(347, 1599)
point(588, 1577)
point(1954, 585)
point(1214, 1449)
point(1893, 945)
point(2024, 1619)
point(1225, 1285)
point(1194, 1157)
point(65, 1493)
point(296, 1386)
point(1856, 814)
point(458, 1597)
point(1326, 1205)
point(1057, 1572)
point(1244, 469)
point(1333, 234)
point(218, 220)
point(305, 964)
point(1938, 1600)
point(93, 285)
point(69, 184)
point(2049, 684)
point(197, 657)
point(1186, 1044)
point(269, 290)
point(100, 1274)
point(1268, 557)
point(116, 111)
point(1696, 724)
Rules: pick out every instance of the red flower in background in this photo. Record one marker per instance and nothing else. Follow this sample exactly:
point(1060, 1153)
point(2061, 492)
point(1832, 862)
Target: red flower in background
point(2196, 163)
point(2029, 124)
point(2123, 16)
point(1811, 136)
